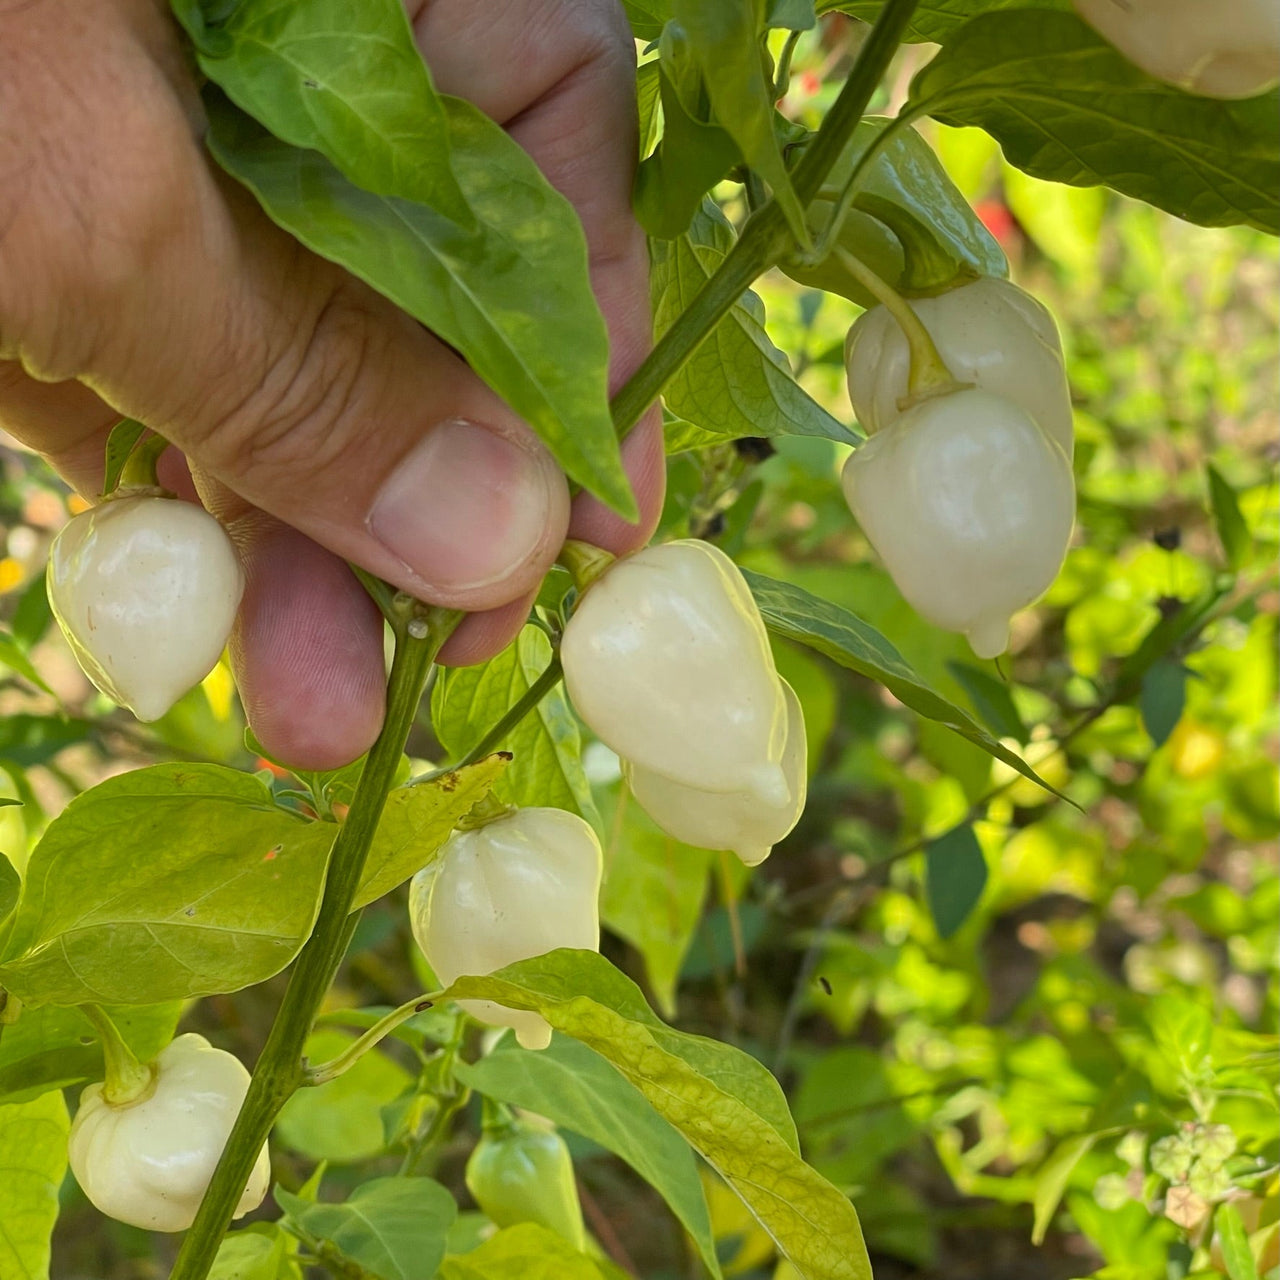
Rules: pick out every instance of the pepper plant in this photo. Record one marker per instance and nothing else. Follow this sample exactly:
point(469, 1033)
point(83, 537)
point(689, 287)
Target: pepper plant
point(191, 880)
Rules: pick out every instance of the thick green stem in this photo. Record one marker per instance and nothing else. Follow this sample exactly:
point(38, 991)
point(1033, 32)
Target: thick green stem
point(279, 1071)
point(765, 238)
point(126, 1078)
point(927, 373)
point(356, 1050)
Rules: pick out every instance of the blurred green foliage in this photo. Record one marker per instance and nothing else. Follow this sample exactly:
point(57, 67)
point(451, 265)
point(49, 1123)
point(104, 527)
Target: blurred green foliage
point(1080, 1080)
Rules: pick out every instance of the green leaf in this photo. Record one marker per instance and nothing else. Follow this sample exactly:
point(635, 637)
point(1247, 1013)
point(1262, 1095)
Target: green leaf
point(727, 1106)
point(341, 1120)
point(909, 222)
point(1233, 533)
point(417, 820)
point(32, 618)
point(259, 1252)
point(955, 876)
point(120, 444)
point(791, 15)
point(647, 17)
point(694, 153)
point(796, 614)
point(33, 1160)
point(725, 39)
point(523, 1252)
point(53, 1048)
point(10, 887)
point(174, 881)
point(933, 20)
point(513, 296)
point(993, 701)
point(393, 1228)
point(28, 740)
point(654, 888)
point(1066, 106)
point(736, 383)
point(546, 746)
point(1051, 1181)
point(341, 79)
point(1234, 1241)
point(1167, 634)
point(1163, 697)
point(578, 1090)
point(12, 655)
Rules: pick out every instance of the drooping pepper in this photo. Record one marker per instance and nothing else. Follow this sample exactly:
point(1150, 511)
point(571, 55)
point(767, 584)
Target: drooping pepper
point(1228, 50)
point(148, 1160)
point(516, 887)
point(667, 660)
point(145, 589)
point(970, 504)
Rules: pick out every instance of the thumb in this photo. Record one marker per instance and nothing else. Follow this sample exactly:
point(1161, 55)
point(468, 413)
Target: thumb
point(287, 380)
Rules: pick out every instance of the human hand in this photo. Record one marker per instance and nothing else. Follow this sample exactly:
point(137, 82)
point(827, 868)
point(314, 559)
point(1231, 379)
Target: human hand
point(317, 421)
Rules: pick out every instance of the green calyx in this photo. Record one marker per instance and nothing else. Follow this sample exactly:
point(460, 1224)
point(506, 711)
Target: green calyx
point(585, 562)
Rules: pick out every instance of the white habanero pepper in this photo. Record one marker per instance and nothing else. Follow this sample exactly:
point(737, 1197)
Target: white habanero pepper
point(1230, 49)
point(667, 660)
point(989, 333)
point(970, 505)
point(148, 1161)
point(517, 887)
point(145, 589)
point(738, 821)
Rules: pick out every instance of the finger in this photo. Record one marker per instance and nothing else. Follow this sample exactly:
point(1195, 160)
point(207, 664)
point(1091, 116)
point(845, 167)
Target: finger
point(292, 383)
point(482, 636)
point(560, 75)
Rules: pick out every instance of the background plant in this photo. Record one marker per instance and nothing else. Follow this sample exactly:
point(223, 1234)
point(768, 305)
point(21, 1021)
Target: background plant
point(999, 1018)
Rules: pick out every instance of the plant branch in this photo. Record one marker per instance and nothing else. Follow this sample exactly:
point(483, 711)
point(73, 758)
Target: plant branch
point(493, 739)
point(356, 1050)
point(765, 238)
point(279, 1070)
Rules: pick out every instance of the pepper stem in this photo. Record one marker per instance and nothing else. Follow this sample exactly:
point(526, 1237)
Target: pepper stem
point(139, 470)
point(127, 1079)
point(356, 1050)
point(584, 561)
point(928, 374)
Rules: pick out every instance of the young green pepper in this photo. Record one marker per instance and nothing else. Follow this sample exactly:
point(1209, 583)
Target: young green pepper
point(522, 1173)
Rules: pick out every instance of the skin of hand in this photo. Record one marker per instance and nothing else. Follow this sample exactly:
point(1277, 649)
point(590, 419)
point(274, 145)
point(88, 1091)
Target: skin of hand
point(314, 419)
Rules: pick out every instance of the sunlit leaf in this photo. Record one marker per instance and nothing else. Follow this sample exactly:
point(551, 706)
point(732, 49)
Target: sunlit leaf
point(725, 1103)
point(33, 1160)
point(1067, 106)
